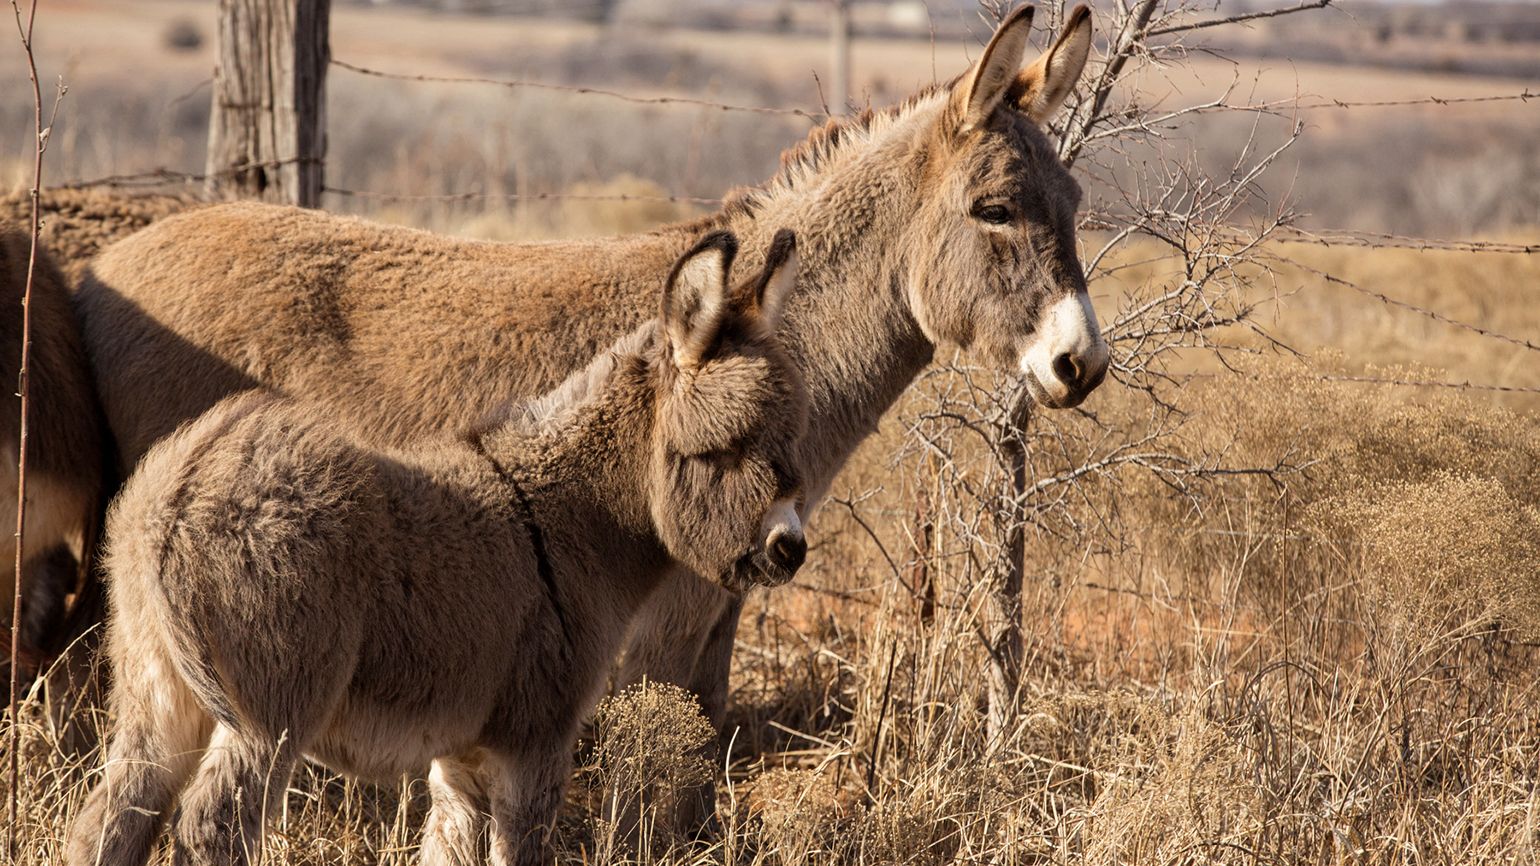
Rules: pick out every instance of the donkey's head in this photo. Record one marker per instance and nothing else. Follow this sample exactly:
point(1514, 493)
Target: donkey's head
point(993, 265)
point(730, 411)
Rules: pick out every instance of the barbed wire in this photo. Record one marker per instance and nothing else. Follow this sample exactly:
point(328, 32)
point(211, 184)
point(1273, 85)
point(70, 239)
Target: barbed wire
point(1320, 237)
point(1523, 96)
point(1365, 379)
point(162, 176)
point(1309, 102)
point(1296, 102)
point(815, 117)
point(1385, 240)
point(1407, 305)
point(1429, 383)
point(517, 196)
point(1335, 237)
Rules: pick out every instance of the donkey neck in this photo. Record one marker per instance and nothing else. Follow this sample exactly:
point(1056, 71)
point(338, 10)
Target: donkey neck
point(851, 200)
point(575, 462)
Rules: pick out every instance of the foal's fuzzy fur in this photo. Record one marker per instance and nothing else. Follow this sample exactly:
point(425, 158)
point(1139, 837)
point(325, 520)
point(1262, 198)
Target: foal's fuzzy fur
point(279, 590)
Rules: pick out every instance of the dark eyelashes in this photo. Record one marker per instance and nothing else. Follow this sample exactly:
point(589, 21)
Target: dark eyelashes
point(725, 459)
point(787, 481)
point(994, 214)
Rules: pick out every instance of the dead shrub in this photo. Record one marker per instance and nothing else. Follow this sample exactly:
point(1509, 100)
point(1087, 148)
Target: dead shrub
point(800, 816)
point(1181, 792)
point(650, 744)
point(1444, 555)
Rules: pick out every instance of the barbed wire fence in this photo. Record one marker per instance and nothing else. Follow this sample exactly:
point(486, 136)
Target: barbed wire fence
point(162, 176)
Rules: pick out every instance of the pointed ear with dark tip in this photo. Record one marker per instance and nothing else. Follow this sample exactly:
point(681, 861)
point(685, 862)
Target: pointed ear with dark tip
point(981, 91)
point(775, 281)
point(1041, 88)
point(695, 297)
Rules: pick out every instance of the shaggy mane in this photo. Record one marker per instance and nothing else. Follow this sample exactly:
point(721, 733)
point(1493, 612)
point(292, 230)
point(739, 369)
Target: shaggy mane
point(814, 153)
point(540, 413)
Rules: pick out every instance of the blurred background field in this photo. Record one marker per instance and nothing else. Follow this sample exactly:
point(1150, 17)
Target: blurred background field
point(138, 74)
point(1289, 618)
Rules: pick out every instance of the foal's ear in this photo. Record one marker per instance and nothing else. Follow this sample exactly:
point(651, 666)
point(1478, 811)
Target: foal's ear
point(1041, 88)
point(775, 282)
point(982, 89)
point(695, 297)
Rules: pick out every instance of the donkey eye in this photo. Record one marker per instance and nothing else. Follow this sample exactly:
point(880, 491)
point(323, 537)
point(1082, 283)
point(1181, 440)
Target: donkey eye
point(994, 214)
point(726, 459)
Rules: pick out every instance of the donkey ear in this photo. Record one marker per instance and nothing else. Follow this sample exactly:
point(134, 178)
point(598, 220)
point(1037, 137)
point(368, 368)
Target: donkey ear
point(695, 297)
point(982, 89)
point(1042, 87)
point(779, 276)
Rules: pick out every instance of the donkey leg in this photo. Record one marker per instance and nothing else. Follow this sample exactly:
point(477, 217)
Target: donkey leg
point(240, 782)
point(697, 805)
point(672, 630)
point(50, 578)
point(526, 792)
point(160, 733)
point(57, 510)
point(457, 819)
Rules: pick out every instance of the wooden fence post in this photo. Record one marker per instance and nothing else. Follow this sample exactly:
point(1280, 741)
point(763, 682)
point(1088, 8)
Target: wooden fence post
point(1002, 606)
point(267, 130)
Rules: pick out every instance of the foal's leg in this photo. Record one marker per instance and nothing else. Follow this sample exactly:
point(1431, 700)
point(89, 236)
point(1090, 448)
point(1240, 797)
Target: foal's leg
point(526, 792)
point(457, 819)
point(696, 815)
point(161, 731)
point(239, 784)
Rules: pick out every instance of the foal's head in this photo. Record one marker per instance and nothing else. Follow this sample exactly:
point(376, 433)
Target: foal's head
point(730, 410)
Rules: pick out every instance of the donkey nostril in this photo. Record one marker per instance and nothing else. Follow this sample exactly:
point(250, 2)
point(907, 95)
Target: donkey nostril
point(1067, 368)
point(788, 550)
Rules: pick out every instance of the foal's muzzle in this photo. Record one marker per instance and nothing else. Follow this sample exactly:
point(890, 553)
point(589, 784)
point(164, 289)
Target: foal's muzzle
point(780, 553)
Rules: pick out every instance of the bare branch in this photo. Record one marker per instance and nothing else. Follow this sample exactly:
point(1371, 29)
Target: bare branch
point(1237, 19)
point(23, 389)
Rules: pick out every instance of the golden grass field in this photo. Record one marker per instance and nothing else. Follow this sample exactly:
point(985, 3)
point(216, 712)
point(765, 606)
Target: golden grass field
point(1333, 662)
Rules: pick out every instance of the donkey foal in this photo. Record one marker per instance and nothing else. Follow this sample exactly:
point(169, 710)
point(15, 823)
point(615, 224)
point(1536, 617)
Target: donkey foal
point(279, 591)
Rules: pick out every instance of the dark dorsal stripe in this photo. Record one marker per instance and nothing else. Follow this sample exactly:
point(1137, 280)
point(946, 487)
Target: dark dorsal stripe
point(536, 537)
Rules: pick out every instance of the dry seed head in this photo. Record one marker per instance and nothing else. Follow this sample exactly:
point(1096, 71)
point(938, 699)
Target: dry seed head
point(652, 735)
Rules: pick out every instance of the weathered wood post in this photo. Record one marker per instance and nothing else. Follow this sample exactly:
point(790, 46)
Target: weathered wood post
point(267, 130)
point(1003, 604)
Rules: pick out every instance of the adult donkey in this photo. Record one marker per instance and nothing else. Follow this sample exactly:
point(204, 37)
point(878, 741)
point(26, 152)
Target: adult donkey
point(946, 220)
